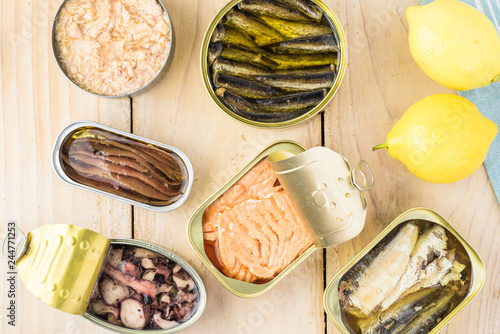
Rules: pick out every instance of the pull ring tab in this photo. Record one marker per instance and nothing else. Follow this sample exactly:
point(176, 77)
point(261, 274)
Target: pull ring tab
point(19, 239)
point(367, 183)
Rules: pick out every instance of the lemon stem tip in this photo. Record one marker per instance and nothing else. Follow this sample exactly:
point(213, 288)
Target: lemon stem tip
point(378, 147)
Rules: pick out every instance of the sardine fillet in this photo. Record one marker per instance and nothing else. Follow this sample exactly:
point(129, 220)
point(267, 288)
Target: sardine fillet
point(363, 293)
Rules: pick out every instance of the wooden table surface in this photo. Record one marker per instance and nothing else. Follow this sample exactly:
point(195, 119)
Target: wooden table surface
point(381, 82)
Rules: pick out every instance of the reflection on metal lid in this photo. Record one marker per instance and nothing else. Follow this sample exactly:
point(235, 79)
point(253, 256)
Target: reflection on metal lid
point(320, 184)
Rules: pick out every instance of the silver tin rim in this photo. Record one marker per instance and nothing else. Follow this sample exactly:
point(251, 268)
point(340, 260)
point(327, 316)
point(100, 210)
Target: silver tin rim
point(144, 88)
point(202, 294)
point(56, 164)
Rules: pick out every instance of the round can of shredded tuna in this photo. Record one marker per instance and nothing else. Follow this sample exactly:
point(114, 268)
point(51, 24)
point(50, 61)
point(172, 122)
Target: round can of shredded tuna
point(112, 55)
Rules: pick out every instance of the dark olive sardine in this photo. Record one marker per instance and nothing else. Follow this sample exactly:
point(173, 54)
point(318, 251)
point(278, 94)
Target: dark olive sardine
point(308, 70)
point(237, 69)
point(248, 110)
point(400, 314)
point(271, 8)
point(430, 316)
point(231, 36)
point(292, 102)
point(234, 101)
point(306, 45)
point(242, 55)
point(291, 29)
point(214, 52)
point(303, 82)
point(299, 61)
point(246, 88)
point(261, 33)
point(306, 8)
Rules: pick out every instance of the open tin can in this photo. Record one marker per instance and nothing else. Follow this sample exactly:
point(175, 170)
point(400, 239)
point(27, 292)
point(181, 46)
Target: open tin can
point(159, 75)
point(62, 265)
point(341, 66)
point(333, 305)
point(122, 166)
point(322, 188)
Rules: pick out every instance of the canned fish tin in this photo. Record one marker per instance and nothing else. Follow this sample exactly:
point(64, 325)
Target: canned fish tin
point(318, 96)
point(442, 276)
point(296, 199)
point(103, 32)
point(86, 274)
point(122, 166)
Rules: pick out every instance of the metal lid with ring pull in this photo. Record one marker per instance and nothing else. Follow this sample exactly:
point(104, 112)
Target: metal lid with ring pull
point(60, 264)
point(325, 191)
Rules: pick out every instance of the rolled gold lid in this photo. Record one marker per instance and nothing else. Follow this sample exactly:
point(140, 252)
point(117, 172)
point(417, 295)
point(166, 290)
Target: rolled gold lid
point(325, 192)
point(62, 264)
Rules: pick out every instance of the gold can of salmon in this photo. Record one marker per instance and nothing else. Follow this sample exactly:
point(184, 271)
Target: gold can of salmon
point(122, 285)
point(414, 277)
point(275, 212)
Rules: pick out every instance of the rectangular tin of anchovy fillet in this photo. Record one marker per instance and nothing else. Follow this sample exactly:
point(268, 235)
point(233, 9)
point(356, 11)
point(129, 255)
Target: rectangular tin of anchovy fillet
point(72, 128)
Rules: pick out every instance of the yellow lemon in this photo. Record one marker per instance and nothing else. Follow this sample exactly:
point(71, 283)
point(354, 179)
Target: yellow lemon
point(454, 44)
point(442, 138)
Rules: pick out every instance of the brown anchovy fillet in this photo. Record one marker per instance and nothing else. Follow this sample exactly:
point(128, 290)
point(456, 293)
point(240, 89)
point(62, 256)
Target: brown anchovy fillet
point(111, 152)
point(271, 8)
point(306, 7)
point(129, 182)
point(246, 88)
point(125, 171)
point(166, 163)
point(306, 45)
point(296, 83)
point(248, 110)
point(171, 176)
point(291, 102)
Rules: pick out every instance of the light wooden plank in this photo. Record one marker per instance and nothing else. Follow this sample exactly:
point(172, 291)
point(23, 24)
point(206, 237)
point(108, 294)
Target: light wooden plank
point(179, 112)
point(382, 81)
point(37, 101)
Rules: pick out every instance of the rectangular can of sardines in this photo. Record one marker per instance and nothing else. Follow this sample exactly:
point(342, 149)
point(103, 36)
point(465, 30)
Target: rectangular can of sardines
point(123, 285)
point(122, 166)
point(414, 277)
point(275, 212)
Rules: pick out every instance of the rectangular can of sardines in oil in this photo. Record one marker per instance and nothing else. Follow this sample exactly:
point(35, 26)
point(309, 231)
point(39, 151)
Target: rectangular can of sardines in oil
point(122, 166)
point(275, 212)
point(123, 285)
point(414, 277)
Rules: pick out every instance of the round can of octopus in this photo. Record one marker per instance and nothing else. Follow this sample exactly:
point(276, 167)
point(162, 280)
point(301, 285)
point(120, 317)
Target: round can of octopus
point(122, 166)
point(160, 73)
point(123, 285)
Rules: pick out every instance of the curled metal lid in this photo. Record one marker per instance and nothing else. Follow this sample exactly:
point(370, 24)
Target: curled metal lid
point(325, 192)
point(62, 264)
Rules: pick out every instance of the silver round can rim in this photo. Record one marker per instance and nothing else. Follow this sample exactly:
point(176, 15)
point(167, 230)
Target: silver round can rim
point(148, 85)
point(63, 134)
point(202, 294)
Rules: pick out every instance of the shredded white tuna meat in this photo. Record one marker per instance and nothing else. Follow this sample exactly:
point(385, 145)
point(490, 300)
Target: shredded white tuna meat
point(112, 47)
